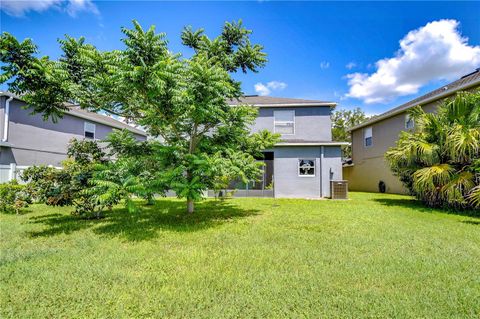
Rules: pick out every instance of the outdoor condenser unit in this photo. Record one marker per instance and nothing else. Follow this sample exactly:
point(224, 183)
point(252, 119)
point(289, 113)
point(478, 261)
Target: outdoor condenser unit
point(339, 189)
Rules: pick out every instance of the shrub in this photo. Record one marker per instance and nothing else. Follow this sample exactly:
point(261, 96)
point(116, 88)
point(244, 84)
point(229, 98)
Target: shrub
point(69, 186)
point(13, 197)
point(49, 185)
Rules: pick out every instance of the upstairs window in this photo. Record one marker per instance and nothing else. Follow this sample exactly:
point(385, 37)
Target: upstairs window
point(367, 137)
point(409, 122)
point(89, 130)
point(306, 167)
point(284, 122)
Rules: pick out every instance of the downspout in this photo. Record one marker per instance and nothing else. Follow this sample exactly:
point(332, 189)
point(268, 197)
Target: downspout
point(7, 119)
point(321, 171)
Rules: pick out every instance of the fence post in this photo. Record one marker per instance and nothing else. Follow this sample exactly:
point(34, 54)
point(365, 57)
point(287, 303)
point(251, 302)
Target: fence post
point(12, 174)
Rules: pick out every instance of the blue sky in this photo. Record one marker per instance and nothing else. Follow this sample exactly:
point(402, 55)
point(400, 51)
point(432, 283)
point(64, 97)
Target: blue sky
point(316, 50)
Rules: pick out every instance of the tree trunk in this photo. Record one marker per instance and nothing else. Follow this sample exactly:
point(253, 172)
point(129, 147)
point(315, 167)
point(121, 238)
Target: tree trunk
point(190, 206)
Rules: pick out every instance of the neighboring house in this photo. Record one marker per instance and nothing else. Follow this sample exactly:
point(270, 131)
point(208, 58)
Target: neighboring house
point(29, 140)
point(306, 160)
point(371, 139)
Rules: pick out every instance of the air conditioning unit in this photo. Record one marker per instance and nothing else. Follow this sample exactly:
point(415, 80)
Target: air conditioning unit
point(339, 189)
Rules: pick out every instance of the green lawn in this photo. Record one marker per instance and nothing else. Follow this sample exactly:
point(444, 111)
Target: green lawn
point(372, 256)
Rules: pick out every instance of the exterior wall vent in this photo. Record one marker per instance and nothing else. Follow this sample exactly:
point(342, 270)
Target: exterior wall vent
point(339, 189)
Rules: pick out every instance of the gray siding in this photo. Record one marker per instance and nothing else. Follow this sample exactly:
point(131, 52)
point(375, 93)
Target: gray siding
point(311, 123)
point(288, 184)
point(38, 142)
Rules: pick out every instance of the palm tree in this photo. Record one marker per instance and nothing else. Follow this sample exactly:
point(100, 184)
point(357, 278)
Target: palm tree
point(439, 162)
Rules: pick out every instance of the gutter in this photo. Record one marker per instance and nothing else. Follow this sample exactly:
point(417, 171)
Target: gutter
point(6, 119)
point(313, 144)
point(427, 100)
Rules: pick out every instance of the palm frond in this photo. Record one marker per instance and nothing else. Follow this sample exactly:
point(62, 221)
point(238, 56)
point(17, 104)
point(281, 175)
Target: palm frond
point(463, 143)
point(460, 185)
point(433, 177)
point(474, 197)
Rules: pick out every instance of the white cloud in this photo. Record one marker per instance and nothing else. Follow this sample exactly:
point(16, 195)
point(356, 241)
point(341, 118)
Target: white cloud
point(75, 6)
point(324, 65)
point(350, 65)
point(436, 51)
point(266, 89)
point(19, 8)
point(276, 85)
point(261, 89)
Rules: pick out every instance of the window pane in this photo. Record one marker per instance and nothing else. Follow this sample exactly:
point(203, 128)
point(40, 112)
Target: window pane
point(89, 127)
point(284, 116)
point(284, 128)
point(368, 141)
point(367, 136)
point(367, 132)
point(409, 122)
point(89, 130)
point(306, 167)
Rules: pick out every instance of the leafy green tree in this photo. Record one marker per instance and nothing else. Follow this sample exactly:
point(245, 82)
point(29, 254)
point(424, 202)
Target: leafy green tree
point(139, 159)
point(341, 121)
point(439, 162)
point(181, 100)
point(113, 182)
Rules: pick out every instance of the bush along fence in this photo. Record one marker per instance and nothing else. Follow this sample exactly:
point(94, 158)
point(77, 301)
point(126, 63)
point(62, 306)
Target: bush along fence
point(13, 172)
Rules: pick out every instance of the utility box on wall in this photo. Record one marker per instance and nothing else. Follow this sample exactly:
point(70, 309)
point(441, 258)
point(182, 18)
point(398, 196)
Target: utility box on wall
point(339, 189)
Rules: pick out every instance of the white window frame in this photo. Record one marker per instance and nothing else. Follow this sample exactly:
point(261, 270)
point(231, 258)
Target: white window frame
point(284, 122)
point(408, 119)
point(314, 167)
point(365, 130)
point(85, 130)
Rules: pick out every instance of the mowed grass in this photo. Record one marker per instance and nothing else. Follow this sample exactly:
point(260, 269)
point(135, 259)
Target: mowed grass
point(372, 256)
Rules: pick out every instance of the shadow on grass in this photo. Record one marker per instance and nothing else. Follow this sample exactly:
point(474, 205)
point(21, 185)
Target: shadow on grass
point(471, 222)
point(167, 215)
point(419, 206)
point(23, 211)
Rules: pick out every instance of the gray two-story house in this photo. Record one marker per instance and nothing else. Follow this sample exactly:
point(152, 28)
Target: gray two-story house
point(27, 139)
point(301, 165)
point(305, 161)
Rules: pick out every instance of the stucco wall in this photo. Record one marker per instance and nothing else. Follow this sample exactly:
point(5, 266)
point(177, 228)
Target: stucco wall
point(332, 167)
point(311, 123)
point(38, 142)
point(288, 184)
point(365, 176)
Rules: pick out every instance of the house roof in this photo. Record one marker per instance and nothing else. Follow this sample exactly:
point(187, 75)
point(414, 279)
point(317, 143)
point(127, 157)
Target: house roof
point(103, 119)
point(270, 101)
point(75, 110)
point(465, 82)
